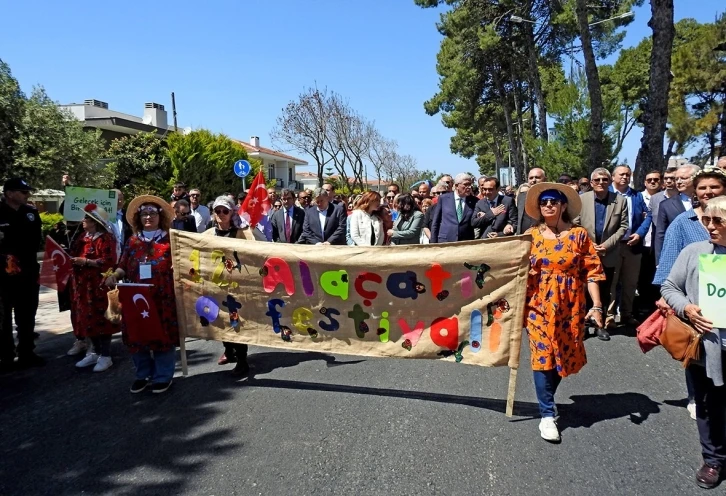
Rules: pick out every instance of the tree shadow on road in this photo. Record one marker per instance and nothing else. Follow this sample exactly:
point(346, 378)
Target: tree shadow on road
point(589, 409)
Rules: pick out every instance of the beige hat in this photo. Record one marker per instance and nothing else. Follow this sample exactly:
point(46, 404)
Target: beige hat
point(531, 206)
point(99, 215)
point(136, 203)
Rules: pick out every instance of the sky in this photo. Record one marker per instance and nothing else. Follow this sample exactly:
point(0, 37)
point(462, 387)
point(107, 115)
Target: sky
point(234, 65)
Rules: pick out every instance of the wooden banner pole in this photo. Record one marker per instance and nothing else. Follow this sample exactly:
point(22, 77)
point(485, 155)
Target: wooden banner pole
point(510, 392)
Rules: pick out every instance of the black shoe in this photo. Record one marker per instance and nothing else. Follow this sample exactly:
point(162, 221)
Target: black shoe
point(603, 335)
point(7, 366)
point(139, 385)
point(36, 335)
point(160, 387)
point(30, 360)
point(241, 369)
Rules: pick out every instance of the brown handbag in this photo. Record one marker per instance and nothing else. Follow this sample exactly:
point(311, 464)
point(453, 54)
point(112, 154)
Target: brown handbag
point(681, 340)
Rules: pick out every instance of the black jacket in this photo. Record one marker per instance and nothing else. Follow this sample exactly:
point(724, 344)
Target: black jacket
point(22, 233)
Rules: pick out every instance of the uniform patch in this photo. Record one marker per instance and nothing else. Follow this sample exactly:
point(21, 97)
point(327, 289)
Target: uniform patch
point(30, 216)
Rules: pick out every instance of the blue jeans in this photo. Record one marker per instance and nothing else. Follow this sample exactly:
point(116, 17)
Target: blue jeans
point(159, 367)
point(545, 385)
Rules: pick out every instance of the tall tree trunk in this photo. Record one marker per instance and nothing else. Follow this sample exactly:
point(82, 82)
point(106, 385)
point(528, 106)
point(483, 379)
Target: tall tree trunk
point(668, 155)
point(655, 117)
point(536, 82)
point(722, 150)
point(595, 144)
point(507, 110)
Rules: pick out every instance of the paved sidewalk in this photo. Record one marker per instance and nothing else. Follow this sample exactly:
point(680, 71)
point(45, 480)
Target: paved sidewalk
point(49, 321)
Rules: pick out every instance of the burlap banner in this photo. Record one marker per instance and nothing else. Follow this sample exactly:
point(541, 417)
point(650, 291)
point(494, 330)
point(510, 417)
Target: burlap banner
point(463, 302)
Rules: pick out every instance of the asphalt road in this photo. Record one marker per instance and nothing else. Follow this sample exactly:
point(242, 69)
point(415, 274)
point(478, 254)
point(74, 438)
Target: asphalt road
point(306, 423)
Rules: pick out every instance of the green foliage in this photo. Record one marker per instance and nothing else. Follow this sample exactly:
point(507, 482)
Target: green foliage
point(204, 160)
point(48, 222)
point(139, 165)
point(39, 142)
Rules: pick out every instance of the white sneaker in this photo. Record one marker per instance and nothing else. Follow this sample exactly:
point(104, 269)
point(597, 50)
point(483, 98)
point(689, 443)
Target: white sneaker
point(78, 347)
point(90, 359)
point(103, 363)
point(691, 407)
point(548, 430)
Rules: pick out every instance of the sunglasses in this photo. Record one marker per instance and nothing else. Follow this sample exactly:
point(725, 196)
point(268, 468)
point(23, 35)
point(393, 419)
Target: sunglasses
point(600, 180)
point(194, 194)
point(669, 178)
point(221, 211)
point(584, 184)
point(303, 197)
point(278, 206)
point(148, 214)
point(719, 222)
point(652, 180)
point(183, 214)
point(548, 201)
point(390, 197)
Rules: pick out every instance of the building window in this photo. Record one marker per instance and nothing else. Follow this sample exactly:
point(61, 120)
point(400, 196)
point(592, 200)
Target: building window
point(289, 175)
point(271, 171)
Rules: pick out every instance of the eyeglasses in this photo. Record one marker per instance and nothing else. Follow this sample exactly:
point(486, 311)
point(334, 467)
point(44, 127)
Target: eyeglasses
point(221, 211)
point(584, 184)
point(183, 214)
point(277, 206)
point(548, 201)
point(600, 180)
point(719, 222)
point(390, 197)
point(652, 180)
point(148, 214)
point(303, 197)
point(436, 193)
point(669, 178)
point(193, 194)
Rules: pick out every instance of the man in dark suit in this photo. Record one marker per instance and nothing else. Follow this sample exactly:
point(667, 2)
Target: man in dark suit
point(287, 222)
point(675, 205)
point(524, 221)
point(494, 215)
point(451, 217)
point(324, 222)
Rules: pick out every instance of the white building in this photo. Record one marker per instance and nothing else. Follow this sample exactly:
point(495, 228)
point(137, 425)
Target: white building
point(275, 165)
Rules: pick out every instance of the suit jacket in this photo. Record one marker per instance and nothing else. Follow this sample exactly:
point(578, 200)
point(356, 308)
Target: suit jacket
point(296, 225)
point(616, 223)
point(524, 221)
point(491, 223)
point(445, 225)
point(640, 218)
point(335, 224)
point(667, 212)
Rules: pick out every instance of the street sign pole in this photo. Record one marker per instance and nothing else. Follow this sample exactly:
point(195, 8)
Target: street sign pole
point(242, 168)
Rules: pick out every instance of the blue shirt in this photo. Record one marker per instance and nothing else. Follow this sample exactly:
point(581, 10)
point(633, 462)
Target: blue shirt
point(601, 208)
point(683, 231)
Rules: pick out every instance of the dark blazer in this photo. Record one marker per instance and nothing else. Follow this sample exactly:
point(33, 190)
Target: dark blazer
point(667, 211)
point(334, 227)
point(491, 223)
point(445, 226)
point(187, 224)
point(524, 221)
point(296, 225)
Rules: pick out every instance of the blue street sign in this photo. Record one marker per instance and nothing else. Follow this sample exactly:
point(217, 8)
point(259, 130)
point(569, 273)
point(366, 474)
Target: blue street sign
point(242, 168)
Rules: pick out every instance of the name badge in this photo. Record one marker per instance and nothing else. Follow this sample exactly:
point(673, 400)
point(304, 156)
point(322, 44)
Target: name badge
point(145, 271)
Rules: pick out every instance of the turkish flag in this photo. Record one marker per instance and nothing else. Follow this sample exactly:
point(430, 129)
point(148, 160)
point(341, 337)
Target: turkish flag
point(257, 203)
point(139, 314)
point(57, 266)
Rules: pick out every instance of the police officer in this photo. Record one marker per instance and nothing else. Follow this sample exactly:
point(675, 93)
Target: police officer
point(21, 228)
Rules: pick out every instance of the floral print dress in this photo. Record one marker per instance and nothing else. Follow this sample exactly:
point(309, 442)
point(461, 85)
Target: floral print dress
point(157, 253)
point(556, 293)
point(90, 299)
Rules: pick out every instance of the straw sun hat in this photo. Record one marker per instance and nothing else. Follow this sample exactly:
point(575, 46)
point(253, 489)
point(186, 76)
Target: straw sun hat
point(99, 215)
point(137, 202)
point(531, 206)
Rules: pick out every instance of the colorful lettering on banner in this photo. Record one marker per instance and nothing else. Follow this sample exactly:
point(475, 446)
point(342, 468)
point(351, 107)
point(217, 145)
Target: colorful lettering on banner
point(362, 278)
point(301, 321)
point(384, 328)
point(276, 272)
point(274, 314)
point(411, 337)
point(334, 325)
point(194, 272)
point(403, 285)
point(232, 307)
point(307, 280)
point(207, 309)
point(445, 332)
point(335, 283)
point(437, 275)
point(495, 311)
point(467, 287)
point(475, 330)
point(359, 320)
point(481, 272)
point(218, 259)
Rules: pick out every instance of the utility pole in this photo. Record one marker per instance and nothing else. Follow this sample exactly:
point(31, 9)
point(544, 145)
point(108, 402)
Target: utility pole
point(173, 110)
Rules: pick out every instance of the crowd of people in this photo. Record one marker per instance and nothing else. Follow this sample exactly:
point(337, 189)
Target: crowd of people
point(613, 244)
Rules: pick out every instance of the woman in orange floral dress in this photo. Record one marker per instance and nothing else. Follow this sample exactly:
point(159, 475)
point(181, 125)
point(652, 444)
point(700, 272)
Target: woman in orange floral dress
point(564, 265)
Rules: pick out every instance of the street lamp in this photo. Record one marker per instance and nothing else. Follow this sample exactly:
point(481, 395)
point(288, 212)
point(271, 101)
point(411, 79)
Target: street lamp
point(520, 20)
point(624, 15)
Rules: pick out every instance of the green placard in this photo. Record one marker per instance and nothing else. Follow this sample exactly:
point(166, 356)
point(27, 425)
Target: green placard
point(77, 198)
point(712, 288)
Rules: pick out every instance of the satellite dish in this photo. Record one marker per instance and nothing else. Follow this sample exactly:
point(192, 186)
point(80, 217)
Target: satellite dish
point(146, 120)
point(186, 131)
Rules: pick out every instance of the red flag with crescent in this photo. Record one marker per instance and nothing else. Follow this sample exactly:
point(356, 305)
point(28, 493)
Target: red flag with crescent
point(257, 203)
point(57, 266)
point(140, 315)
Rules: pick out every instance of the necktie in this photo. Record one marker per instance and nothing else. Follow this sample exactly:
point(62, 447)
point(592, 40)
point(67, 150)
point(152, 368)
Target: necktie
point(287, 227)
point(491, 204)
point(459, 210)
